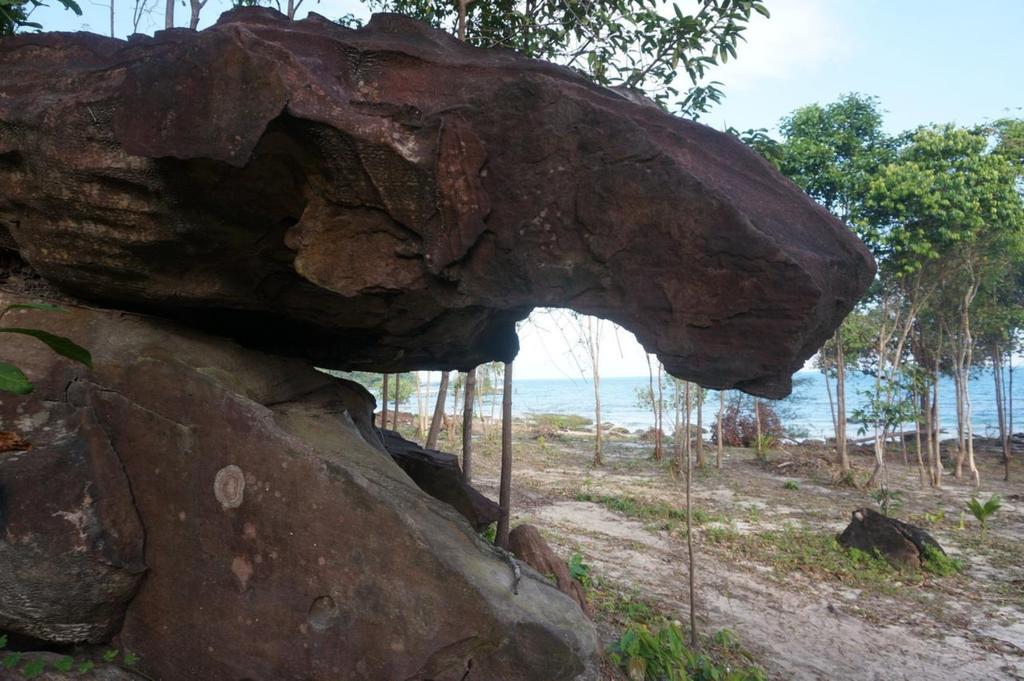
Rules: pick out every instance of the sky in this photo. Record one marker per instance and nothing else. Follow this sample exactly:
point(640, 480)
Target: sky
point(928, 61)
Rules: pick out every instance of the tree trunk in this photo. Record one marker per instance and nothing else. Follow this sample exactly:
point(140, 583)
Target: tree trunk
point(844, 456)
point(701, 463)
point(467, 426)
point(654, 406)
point(594, 346)
point(759, 440)
point(692, 568)
point(398, 392)
point(505, 484)
point(169, 14)
point(384, 401)
point(479, 407)
point(922, 402)
point(455, 410)
point(687, 408)
point(935, 424)
point(659, 425)
point(193, 21)
point(721, 414)
point(421, 408)
point(958, 470)
point(968, 407)
point(1004, 438)
point(435, 422)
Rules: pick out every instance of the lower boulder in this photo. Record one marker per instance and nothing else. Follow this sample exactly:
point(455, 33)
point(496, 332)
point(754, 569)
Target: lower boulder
point(438, 474)
point(280, 541)
point(903, 545)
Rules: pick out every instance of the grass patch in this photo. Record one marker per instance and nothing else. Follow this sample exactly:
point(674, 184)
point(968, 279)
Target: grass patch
point(560, 421)
point(791, 485)
point(642, 509)
point(938, 563)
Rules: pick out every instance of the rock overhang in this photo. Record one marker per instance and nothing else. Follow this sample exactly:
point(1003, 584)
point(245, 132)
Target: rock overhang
point(389, 198)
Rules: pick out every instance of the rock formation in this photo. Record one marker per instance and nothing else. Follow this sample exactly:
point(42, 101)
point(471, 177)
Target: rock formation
point(382, 199)
point(390, 199)
point(225, 513)
point(902, 544)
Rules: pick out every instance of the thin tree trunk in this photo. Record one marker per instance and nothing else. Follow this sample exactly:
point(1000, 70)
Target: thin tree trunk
point(384, 401)
point(394, 416)
point(421, 408)
point(654, 406)
point(687, 408)
point(922, 403)
point(169, 14)
point(1004, 439)
point(505, 484)
point(435, 422)
point(721, 414)
point(700, 429)
point(844, 456)
point(455, 410)
point(958, 470)
point(594, 347)
point(467, 426)
point(677, 429)
point(758, 442)
point(936, 424)
point(831, 407)
point(660, 410)
point(689, 534)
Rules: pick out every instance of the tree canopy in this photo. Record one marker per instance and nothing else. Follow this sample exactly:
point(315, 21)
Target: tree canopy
point(642, 44)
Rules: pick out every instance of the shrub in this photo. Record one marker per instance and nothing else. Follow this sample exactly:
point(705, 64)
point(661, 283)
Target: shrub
point(984, 511)
point(739, 426)
point(662, 655)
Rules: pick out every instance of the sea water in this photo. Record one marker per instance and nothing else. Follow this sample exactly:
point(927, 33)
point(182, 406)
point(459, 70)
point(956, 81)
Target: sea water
point(805, 414)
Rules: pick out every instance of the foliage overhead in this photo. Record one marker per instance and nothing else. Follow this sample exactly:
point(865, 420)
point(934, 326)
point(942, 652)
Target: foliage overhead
point(647, 45)
point(15, 14)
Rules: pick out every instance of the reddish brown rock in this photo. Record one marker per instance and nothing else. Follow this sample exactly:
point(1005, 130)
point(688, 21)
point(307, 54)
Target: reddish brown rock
point(389, 198)
point(280, 543)
point(71, 543)
point(527, 543)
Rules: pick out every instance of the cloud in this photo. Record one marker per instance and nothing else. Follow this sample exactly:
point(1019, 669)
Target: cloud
point(801, 37)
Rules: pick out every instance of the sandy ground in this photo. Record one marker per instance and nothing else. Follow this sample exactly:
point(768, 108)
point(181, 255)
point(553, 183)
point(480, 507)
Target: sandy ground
point(795, 625)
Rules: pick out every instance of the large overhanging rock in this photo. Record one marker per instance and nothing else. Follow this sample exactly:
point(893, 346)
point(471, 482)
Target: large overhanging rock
point(281, 541)
point(389, 198)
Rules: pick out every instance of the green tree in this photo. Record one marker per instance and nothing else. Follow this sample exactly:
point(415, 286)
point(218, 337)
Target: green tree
point(946, 212)
point(832, 152)
point(15, 15)
point(639, 44)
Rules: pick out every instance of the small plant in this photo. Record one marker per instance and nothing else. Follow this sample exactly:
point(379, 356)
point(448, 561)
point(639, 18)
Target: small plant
point(791, 485)
point(982, 512)
point(661, 654)
point(888, 500)
point(489, 533)
point(764, 442)
point(934, 518)
point(34, 667)
point(940, 564)
point(12, 379)
point(579, 570)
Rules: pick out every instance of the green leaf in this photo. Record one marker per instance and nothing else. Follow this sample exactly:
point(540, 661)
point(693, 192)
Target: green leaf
point(11, 661)
point(47, 307)
point(110, 655)
point(12, 380)
point(62, 346)
point(86, 666)
point(64, 664)
point(33, 669)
